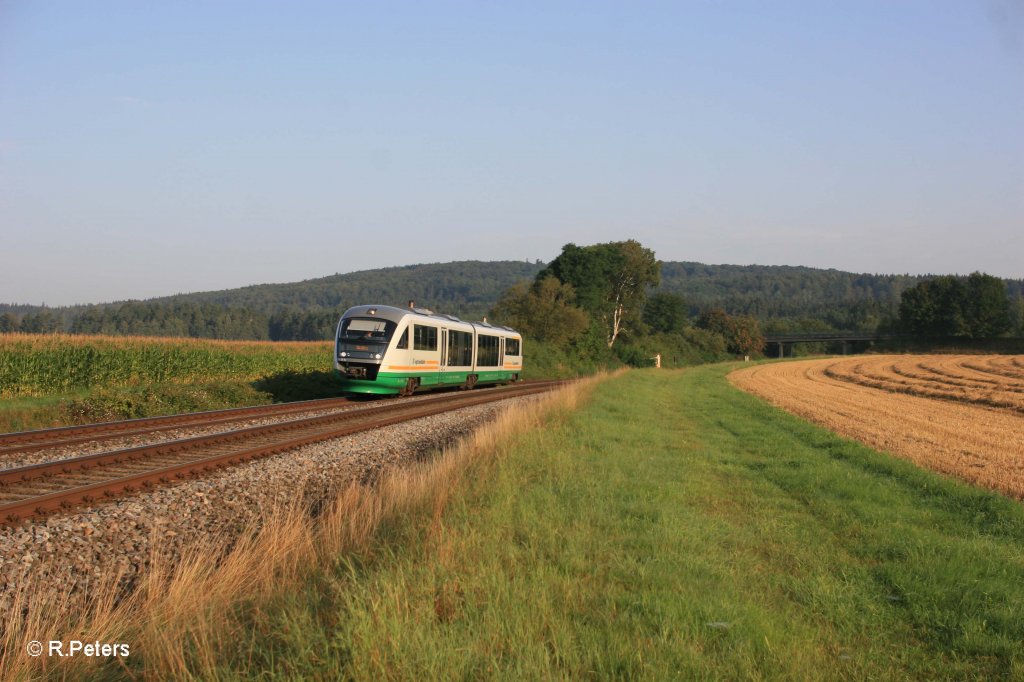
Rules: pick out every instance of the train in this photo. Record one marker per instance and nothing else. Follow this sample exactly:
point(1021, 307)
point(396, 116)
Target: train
point(387, 350)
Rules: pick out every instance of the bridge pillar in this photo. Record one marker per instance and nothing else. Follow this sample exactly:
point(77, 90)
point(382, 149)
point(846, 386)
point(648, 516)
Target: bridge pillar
point(846, 347)
point(782, 350)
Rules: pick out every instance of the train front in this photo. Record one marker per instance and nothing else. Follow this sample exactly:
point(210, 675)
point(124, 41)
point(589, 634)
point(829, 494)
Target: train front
point(360, 345)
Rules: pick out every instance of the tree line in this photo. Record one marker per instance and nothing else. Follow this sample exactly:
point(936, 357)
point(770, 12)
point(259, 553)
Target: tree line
point(974, 307)
point(596, 302)
point(207, 320)
point(677, 300)
point(605, 299)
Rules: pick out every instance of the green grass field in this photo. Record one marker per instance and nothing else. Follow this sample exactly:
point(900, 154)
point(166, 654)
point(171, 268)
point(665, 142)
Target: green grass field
point(672, 528)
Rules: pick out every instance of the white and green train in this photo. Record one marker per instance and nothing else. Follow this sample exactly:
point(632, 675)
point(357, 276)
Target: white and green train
point(386, 350)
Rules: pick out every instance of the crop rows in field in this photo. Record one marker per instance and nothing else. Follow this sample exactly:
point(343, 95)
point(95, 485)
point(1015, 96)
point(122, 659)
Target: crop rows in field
point(35, 365)
point(995, 381)
point(960, 415)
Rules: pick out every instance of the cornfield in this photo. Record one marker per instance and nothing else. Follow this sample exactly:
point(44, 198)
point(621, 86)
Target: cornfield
point(46, 364)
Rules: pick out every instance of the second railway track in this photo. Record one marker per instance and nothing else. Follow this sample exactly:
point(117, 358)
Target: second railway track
point(46, 487)
point(30, 441)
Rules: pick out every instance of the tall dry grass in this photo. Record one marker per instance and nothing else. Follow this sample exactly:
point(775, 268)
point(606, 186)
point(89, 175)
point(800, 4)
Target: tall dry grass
point(178, 619)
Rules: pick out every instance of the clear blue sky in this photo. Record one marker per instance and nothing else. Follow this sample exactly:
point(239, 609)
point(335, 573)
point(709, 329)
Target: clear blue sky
point(150, 148)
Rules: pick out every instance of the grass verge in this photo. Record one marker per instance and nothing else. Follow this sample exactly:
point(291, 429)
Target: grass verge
point(113, 403)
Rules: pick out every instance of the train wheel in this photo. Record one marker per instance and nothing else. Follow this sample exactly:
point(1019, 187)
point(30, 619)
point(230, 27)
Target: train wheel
point(410, 386)
point(470, 382)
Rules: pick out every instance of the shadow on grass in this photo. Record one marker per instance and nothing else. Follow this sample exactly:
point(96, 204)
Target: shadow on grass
point(291, 386)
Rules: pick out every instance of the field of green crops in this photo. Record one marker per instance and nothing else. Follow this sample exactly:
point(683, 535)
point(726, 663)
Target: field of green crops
point(41, 365)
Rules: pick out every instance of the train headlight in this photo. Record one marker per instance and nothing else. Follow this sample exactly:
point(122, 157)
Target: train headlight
point(343, 354)
point(377, 356)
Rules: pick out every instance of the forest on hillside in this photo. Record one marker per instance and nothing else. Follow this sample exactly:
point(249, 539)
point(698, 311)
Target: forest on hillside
point(781, 298)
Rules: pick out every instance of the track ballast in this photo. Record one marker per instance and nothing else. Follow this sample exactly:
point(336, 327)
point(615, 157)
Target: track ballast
point(46, 487)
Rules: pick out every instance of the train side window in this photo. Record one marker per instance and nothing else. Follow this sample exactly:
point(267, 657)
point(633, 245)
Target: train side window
point(460, 349)
point(424, 338)
point(486, 351)
point(403, 343)
point(511, 346)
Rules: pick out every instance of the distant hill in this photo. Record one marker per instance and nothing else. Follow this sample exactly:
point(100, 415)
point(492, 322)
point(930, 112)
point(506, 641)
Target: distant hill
point(467, 288)
point(470, 288)
point(846, 299)
point(296, 310)
point(789, 296)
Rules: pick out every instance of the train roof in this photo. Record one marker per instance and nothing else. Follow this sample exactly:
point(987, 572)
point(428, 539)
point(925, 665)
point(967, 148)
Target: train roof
point(396, 314)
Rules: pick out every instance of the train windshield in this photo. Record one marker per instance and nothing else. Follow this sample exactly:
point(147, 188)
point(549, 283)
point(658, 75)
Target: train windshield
point(366, 330)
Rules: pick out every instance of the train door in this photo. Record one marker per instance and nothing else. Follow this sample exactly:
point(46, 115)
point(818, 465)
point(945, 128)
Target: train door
point(443, 366)
point(501, 353)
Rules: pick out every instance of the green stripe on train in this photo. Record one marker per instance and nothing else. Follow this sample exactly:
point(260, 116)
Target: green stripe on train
point(390, 383)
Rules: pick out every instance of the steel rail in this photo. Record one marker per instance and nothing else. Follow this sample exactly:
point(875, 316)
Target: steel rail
point(27, 441)
point(63, 466)
point(61, 436)
point(15, 511)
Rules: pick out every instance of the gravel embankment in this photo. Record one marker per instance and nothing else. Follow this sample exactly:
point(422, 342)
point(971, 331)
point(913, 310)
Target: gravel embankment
point(73, 552)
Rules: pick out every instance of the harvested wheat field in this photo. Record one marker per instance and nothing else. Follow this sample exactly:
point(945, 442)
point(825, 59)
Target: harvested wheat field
point(961, 415)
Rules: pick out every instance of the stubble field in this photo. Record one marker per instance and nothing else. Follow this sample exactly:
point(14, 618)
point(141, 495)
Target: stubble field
point(961, 415)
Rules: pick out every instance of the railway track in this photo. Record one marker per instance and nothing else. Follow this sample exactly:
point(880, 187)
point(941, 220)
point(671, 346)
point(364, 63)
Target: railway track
point(30, 441)
point(43, 488)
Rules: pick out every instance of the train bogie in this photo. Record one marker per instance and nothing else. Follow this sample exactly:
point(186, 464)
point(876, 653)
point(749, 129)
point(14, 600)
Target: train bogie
point(387, 350)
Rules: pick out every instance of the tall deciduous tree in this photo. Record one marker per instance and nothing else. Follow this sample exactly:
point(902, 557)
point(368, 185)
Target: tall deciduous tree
point(42, 322)
point(9, 323)
point(975, 307)
point(610, 281)
point(1017, 316)
point(742, 333)
point(986, 308)
point(665, 313)
point(543, 310)
point(932, 308)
